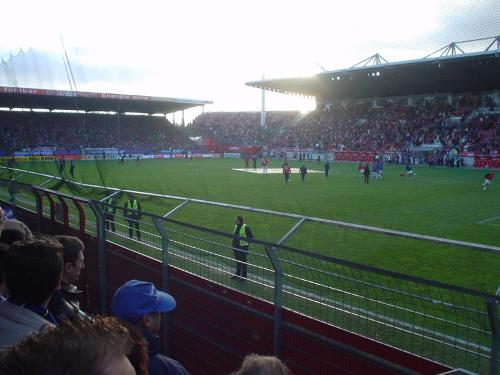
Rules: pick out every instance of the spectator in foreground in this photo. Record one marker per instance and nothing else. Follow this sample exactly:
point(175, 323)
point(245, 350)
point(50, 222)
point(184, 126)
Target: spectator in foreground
point(32, 274)
point(12, 230)
point(81, 347)
point(254, 364)
point(139, 303)
point(64, 302)
point(11, 235)
point(2, 220)
point(13, 224)
point(3, 288)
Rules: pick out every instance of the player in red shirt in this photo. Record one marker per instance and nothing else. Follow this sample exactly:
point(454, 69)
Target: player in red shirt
point(264, 163)
point(286, 171)
point(361, 169)
point(487, 179)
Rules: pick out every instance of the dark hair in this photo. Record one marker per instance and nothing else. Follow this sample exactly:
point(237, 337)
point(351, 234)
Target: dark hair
point(11, 235)
point(240, 218)
point(72, 246)
point(79, 347)
point(3, 254)
point(33, 270)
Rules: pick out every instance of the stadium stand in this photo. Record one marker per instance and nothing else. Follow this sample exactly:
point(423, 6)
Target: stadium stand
point(241, 128)
point(26, 130)
point(395, 127)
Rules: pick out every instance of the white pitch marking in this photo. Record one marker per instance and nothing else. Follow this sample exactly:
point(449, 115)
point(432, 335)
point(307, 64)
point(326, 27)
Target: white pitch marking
point(275, 170)
point(487, 220)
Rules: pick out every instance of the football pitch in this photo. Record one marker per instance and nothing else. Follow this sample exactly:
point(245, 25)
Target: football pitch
point(440, 202)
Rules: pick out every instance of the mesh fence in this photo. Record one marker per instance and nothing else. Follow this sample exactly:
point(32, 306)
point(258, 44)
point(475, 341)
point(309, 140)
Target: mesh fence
point(437, 321)
point(444, 323)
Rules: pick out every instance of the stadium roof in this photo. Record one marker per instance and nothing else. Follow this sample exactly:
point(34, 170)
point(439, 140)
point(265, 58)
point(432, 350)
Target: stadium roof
point(19, 97)
point(471, 72)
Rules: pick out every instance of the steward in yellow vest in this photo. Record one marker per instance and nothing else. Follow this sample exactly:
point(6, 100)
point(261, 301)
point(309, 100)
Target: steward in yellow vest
point(132, 212)
point(240, 245)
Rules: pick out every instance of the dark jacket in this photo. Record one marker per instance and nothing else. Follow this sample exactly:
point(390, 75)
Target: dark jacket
point(64, 303)
point(16, 323)
point(160, 364)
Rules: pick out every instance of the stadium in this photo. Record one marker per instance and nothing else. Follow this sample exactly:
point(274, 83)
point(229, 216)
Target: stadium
point(383, 258)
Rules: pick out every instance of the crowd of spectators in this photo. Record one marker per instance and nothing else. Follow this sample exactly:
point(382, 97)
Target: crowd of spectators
point(469, 123)
point(394, 127)
point(43, 329)
point(241, 128)
point(28, 130)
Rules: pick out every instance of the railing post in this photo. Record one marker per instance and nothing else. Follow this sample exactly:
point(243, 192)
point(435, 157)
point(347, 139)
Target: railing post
point(101, 248)
point(492, 306)
point(12, 193)
point(278, 303)
point(39, 209)
point(52, 207)
point(164, 279)
point(65, 211)
point(81, 217)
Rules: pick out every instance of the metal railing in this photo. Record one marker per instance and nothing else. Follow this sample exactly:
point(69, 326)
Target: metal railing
point(452, 325)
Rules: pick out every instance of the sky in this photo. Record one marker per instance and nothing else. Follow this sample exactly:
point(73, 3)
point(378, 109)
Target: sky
point(209, 49)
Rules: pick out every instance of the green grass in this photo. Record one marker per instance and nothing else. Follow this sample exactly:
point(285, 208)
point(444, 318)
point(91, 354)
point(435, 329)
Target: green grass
point(441, 202)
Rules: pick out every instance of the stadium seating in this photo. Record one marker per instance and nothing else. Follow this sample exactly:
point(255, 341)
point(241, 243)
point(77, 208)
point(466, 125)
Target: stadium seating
point(241, 128)
point(470, 124)
point(362, 127)
point(28, 130)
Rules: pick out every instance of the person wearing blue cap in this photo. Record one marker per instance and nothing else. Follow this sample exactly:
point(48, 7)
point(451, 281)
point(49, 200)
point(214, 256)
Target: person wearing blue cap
point(141, 304)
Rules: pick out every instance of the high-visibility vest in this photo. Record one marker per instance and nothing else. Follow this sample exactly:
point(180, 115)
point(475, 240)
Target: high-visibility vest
point(108, 207)
point(242, 234)
point(134, 205)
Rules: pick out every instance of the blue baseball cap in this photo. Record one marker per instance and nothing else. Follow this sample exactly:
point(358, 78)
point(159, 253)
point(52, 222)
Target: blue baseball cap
point(136, 298)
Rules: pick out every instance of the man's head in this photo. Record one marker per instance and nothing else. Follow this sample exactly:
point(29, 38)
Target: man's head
point(11, 235)
point(254, 364)
point(74, 261)
point(33, 270)
point(238, 220)
point(80, 347)
point(139, 302)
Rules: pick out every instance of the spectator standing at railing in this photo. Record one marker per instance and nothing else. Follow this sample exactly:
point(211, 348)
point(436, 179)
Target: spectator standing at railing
point(140, 304)
point(133, 213)
point(241, 234)
point(64, 303)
